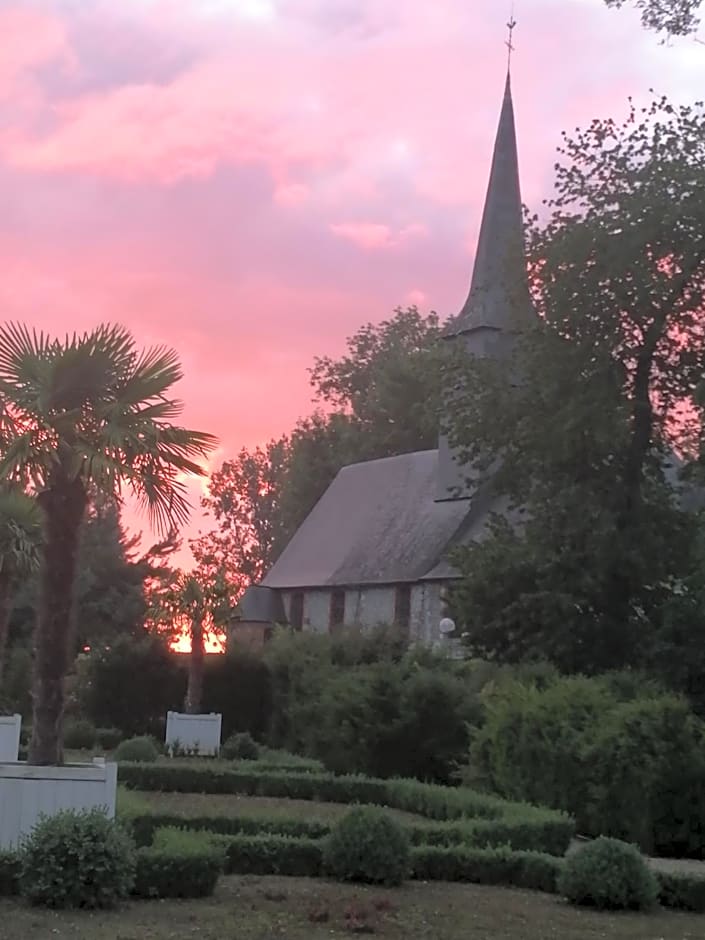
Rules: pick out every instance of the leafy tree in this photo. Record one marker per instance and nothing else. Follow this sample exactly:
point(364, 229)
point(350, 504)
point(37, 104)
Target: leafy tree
point(595, 544)
point(110, 599)
point(244, 501)
point(675, 17)
point(87, 412)
point(377, 400)
point(20, 539)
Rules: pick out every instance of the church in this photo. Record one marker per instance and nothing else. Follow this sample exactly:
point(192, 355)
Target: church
point(375, 549)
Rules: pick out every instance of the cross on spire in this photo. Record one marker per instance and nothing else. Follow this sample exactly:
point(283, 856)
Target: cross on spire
point(508, 42)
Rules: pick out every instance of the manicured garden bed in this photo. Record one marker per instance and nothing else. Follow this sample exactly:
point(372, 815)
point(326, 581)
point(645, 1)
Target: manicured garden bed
point(254, 908)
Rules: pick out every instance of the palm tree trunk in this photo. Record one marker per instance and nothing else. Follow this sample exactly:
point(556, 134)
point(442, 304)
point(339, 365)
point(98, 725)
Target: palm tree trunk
point(64, 503)
point(5, 612)
point(194, 693)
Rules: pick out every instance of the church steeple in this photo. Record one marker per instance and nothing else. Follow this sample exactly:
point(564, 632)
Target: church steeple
point(498, 303)
point(498, 299)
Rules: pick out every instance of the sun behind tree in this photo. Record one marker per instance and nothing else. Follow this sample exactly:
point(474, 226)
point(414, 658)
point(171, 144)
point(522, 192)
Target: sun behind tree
point(88, 411)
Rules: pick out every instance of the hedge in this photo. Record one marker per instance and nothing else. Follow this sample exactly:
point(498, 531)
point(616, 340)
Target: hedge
point(540, 835)
point(10, 868)
point(489, 866)
point(178, 864)
point(479, 819)
point(272, 854)
point(682, 890)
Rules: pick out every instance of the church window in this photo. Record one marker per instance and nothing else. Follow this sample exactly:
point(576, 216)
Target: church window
point(337, 608)
point(402, 606)
point(296, 610)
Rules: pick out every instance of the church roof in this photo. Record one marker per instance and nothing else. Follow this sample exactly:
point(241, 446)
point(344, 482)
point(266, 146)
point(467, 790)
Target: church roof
point(377, 523)
point(499, 295)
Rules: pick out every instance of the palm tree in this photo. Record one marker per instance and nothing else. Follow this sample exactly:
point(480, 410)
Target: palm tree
point(88, 411)
point(20, 538)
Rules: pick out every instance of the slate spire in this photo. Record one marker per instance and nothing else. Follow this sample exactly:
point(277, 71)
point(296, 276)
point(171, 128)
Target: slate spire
point(499, 297)
point(498, 303)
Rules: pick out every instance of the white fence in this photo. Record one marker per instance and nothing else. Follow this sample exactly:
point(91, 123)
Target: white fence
point(198, 734)
point(27, 792)
point(10, 726)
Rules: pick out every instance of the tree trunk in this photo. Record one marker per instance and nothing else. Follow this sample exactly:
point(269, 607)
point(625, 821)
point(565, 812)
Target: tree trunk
point(63, 503)
point(194, 692)
point(5, 612)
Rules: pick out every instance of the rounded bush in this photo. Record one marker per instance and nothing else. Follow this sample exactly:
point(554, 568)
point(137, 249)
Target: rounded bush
point(79, 734)
point(610, 875)
point(109, 738)
point(77, 860)
point(367, 845)
point(142, 749)
point(240, 746)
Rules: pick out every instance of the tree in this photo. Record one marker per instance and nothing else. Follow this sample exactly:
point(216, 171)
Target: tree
point(110, 596)
point(20, 539)
point(86, 412)
point(675, 17)
point(377, 400)
point(595, 544)
point(244, 501)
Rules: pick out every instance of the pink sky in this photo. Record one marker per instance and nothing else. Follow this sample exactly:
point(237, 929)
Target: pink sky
point(251, 180)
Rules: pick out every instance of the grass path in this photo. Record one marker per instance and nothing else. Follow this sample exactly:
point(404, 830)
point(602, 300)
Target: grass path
point(205, 804)
point(250, 908)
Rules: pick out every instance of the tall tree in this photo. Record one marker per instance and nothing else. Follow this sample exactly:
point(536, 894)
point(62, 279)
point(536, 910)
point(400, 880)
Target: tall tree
point(597, 545)
point(110, 596)
point(88, 412)
point(20, 541)
point(674, 17)
point(380, 398)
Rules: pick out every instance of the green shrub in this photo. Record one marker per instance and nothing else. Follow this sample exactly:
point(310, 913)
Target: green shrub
point(144, 824)
point(490, 866)
point(10, 870)
point(179, 864)
point(79, 734)
point(141, 750)
point(240, 746)
point(682, 890)
point(632, 770)
point(272, 854)
point(367, 845)
point(77, 860)
point(109, 738)
point(131, 685)
point(609, 874)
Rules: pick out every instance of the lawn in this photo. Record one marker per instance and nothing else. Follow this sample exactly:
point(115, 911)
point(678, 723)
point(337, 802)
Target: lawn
point(252, 908)
point(204, 804)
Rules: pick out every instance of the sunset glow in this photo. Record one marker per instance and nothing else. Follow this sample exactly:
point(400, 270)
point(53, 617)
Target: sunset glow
point(251, 180)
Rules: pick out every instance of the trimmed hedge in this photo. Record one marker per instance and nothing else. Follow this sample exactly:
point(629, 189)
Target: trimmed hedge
point(496, 866)
point(271, 854)
point(519, 834)
point(284, 855)
point(179, 864)
point(683, 891)
point(473, 818)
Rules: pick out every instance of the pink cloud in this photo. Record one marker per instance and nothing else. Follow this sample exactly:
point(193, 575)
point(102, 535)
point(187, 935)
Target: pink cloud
point(249, 184)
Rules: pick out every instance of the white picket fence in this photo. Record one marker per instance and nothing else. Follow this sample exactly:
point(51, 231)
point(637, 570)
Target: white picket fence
point(10, 727)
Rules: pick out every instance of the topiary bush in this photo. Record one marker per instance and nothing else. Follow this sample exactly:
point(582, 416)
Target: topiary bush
point(109, 738)
point(609, 875)
point(367, 845)
point(140, 750)
point(179, 864)
point(79, 734)
point(77, 859)
point(241, 746)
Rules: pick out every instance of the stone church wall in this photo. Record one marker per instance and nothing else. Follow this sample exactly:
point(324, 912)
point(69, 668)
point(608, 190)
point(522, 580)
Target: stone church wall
point(370, 606)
